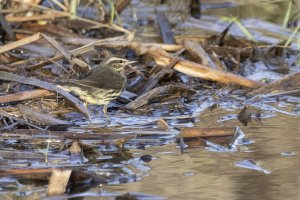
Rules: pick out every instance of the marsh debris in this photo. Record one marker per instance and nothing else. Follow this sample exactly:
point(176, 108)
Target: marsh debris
point(173, 80)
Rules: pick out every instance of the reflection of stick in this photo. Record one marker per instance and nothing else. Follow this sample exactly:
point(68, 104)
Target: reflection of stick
point(198, 70)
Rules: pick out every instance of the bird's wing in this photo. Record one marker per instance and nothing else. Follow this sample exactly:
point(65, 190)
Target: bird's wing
point(103, 77)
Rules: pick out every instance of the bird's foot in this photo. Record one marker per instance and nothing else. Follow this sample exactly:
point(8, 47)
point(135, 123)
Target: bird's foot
point(105, 114)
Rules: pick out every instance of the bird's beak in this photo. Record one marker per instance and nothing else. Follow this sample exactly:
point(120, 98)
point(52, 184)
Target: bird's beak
point(129, 62)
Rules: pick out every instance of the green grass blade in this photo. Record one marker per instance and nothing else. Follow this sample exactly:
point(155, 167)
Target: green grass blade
point(292, 36)
point(287, 15)
point(73, 7)
point(240, 25)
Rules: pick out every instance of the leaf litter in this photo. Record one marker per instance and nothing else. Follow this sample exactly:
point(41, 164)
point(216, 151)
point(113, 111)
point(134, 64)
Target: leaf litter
point(47, 133)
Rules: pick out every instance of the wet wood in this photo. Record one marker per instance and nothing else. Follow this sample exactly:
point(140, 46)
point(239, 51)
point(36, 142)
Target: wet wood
point(165, 28)
point(73, 60)
point(243, 52)
point(195, 8)
point(155, 78)
point(201, 71)
point(76, 152)
point(198, 53)
point(162, 125)
point(140, 47)
point(20, 96)
point(7, 27)
point(290, 82)
point(33, 156)
point(14, 119)
point(50, 16)
point(19, 43)
point(120, 5)
point(40, 118)
point(58, 181)
point(159, 94)
point(33, 134)
point(206, 132)
point(29, 172)
point(38, 172)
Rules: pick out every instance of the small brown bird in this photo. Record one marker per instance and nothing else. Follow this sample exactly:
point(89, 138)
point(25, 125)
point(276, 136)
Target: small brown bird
point(102, 84)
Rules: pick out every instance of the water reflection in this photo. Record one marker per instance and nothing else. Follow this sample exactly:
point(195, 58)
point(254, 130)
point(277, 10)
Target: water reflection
point(200, 174)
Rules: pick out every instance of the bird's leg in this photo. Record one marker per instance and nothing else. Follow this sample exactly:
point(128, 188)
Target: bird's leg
point(105, 112)
point(86, 107)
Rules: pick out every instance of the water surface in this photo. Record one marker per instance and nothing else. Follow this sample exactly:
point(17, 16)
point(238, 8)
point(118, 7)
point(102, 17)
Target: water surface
point(200, 174)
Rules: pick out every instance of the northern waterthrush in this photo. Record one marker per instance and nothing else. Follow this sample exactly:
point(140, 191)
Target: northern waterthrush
point(102, 84)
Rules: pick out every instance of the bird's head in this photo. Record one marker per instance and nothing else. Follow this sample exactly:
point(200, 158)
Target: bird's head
point(118, 64)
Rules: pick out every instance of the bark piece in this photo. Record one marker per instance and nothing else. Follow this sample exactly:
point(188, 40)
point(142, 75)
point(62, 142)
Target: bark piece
point(32, 94)
point(287, 83)
point(165, 28)
point(120, 5)
point(58, 181)
point(197, 70)
point(19, 43)
point(206, 132)
point(158, 93)
point(199, 53)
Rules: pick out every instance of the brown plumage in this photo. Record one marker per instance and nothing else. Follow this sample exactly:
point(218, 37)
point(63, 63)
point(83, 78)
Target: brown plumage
point(102, 84)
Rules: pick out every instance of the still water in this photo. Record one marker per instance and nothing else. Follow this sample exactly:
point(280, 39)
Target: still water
point(200, 174)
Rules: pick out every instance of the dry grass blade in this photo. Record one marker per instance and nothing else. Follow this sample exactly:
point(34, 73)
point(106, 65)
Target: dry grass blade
point(121, 42)
point(19, 43)
point(93, 23)
point(165, 28)
point(75, 52)
point(60, 5)
point(60, 48)
point(67, 54)
point(35, 17)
